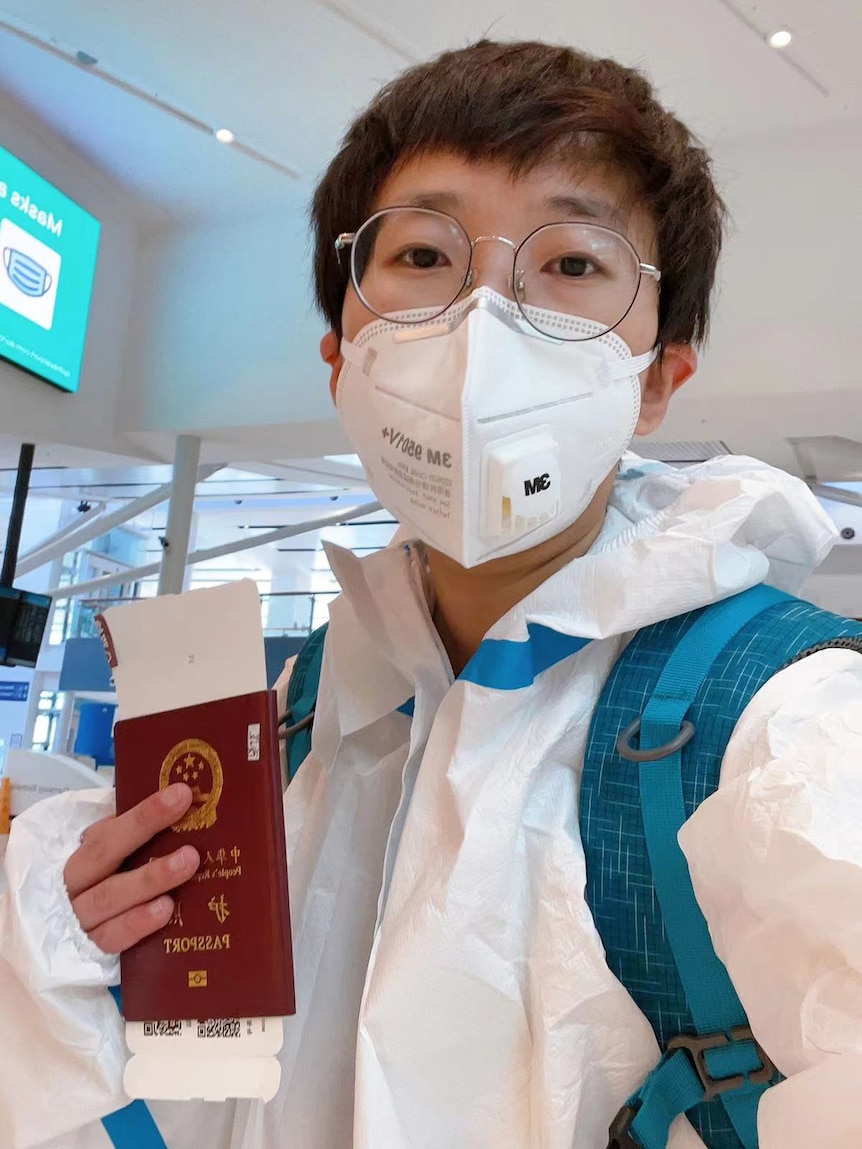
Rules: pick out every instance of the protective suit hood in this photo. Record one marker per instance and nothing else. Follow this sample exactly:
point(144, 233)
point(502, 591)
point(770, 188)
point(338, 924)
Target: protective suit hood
point(676, 539)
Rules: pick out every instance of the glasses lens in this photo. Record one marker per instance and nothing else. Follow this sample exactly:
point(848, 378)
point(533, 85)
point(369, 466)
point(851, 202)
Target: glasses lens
point(407, 259)
point(576, 269)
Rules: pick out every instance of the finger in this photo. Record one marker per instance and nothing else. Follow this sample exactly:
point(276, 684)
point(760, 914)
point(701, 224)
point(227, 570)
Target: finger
point(122, 892)
point(107, 844)
point(133, 926)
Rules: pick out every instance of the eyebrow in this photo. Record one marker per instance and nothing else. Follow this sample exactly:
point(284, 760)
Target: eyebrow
point(435, 201)
point(576, 205)
point(563, 206)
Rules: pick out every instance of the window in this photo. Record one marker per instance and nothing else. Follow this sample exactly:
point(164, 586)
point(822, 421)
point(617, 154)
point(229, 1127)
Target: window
point(50, 707)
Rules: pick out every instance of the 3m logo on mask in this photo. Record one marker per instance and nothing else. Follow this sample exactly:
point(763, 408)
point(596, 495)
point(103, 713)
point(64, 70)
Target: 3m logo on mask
point(538, 485)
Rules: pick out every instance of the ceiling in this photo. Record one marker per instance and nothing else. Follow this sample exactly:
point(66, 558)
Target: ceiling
point(286, 78)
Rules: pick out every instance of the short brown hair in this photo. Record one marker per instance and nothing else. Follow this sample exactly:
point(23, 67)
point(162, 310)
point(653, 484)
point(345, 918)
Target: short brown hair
point(526, 103)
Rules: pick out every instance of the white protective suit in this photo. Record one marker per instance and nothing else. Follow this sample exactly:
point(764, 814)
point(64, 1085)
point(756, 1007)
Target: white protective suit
point(452, 990)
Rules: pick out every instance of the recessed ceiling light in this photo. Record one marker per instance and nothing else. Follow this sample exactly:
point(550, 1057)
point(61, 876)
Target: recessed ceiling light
point(225, 136)
point(779, 39)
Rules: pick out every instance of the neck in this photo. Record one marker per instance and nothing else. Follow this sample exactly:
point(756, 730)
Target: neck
point(469, 602)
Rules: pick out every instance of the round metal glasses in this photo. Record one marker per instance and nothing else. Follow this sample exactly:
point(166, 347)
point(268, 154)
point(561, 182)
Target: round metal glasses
point(410, 264)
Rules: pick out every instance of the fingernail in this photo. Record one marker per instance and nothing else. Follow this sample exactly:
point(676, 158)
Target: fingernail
point(183, 859)
point(161, 907)
point(177, 794)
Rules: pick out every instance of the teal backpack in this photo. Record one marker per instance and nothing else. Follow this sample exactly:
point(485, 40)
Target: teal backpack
point(655, 748)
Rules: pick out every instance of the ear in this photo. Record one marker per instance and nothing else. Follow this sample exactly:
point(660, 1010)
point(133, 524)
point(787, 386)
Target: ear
point(675, 365)
point(330, 353)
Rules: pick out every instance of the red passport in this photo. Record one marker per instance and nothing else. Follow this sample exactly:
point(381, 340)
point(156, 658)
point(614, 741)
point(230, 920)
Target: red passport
point(226, 952)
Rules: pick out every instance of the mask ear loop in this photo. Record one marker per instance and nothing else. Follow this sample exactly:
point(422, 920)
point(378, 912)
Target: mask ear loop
point(635, 365)
point(628, 368)
point(641, 362)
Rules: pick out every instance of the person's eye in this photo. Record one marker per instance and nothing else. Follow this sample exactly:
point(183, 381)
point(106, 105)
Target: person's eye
point(576, 266)
point(423, 258)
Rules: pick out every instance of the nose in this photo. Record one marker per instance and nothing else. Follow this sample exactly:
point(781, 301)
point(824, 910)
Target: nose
point(491, 266)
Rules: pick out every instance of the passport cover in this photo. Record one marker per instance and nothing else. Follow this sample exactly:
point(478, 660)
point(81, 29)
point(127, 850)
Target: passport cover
point(226, 953)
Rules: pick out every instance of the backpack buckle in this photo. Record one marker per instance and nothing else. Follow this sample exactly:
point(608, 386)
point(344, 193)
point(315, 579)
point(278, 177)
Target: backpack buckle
point(619, 1133)
point(698, 1045)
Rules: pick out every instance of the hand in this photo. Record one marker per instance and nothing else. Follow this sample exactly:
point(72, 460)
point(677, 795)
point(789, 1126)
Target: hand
point(116, 910)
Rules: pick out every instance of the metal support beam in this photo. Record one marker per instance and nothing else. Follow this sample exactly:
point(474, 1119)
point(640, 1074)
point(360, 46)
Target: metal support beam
point(16, 514)
point(176, 540)
point(136, 574)
point(99, 525)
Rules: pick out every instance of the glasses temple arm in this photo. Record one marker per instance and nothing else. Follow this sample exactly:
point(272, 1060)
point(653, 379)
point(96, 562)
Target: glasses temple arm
point(650, 269)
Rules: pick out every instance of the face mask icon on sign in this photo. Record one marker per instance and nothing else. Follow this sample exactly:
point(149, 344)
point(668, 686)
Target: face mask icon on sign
point(28, 276)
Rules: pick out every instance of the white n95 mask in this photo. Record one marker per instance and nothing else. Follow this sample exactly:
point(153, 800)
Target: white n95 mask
point(480, 435)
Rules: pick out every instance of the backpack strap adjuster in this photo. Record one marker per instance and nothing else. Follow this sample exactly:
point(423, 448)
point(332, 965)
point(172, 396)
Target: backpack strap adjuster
point(619, 1133)
point(697, 1047)
point(626, 750)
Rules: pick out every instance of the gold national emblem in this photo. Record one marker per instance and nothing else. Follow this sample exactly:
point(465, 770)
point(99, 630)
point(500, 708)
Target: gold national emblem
point(197, 764)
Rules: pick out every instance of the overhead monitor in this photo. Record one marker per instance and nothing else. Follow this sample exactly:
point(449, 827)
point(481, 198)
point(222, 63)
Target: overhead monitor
point(23, 618)
point(48, 247)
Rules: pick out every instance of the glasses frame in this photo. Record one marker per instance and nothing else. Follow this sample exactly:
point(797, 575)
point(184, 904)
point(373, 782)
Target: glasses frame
point(346, 239)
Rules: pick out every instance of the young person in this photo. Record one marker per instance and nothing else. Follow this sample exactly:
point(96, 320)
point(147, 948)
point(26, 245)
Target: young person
point(516, 246)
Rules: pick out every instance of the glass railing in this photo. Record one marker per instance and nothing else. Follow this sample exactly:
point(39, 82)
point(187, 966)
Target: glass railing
point(295, 613)
point(78, 617)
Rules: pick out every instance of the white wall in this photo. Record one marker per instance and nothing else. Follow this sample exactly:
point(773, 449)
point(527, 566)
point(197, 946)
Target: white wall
point(29, 408)
point(225, 336)
point(839, 593)
point(783, 359)
point(788, 314)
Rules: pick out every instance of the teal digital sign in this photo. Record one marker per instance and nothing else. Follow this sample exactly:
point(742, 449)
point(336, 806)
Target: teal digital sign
point(48, 247)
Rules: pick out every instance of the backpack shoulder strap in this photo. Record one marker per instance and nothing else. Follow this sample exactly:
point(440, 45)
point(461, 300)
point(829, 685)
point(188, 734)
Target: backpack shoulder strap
point(302, 701)
point(697, 671)
point(742, 1071)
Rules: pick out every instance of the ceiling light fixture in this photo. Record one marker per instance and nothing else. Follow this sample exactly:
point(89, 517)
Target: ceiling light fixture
point(779, 39)
point(225, 136)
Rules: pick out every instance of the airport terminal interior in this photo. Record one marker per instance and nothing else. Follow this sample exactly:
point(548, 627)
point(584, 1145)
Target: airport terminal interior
point(166, 419)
